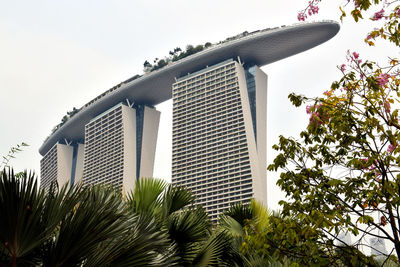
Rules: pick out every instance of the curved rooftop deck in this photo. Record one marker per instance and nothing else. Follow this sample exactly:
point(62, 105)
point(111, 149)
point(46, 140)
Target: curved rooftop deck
point(261, 48)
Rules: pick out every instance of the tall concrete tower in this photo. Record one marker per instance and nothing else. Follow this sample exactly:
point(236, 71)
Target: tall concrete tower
point(219, 135)
point(119, 147)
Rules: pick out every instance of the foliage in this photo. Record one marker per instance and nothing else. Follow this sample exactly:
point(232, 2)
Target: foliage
point(247, 225)
point(65, 118)
point(292, 239)
point(193, 243)
point(73, 227)
point(4, 165)
point(174, 55)
point(11, 155)
point(270, 239)
point(342, 175)
point(385, 13)
point(178, 54)
point(157, 225)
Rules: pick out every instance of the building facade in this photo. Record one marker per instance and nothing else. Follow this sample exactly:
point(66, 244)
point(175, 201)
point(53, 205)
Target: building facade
point(219, 135)
point(61, 164)
point(118, 148)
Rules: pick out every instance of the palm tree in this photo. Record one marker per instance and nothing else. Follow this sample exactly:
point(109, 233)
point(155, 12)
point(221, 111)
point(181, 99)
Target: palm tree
point(73, 227)
point(188, 227)
point(158, 225)
point(240, 215)
point(28, 217)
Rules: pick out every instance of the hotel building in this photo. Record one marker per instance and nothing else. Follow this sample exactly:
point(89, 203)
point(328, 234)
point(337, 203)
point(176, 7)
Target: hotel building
point(119, 146)
point(219, 135)
point(219, 121)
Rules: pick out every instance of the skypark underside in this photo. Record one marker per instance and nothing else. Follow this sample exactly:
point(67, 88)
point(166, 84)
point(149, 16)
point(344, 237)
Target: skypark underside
point(261, 48)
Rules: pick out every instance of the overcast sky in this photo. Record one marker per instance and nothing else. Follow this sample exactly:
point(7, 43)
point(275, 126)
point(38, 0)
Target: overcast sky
point(56, 55)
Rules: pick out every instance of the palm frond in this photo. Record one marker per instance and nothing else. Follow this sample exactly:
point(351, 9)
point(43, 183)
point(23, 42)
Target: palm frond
point(99, 215)
point(186, 229)
point(232, 226)
point(22, 228)
point(175, 199)
point(261, 214)
point(212, 251)
point(241, 213)
point(146, 195)
point(255, 260)
point(141, 244)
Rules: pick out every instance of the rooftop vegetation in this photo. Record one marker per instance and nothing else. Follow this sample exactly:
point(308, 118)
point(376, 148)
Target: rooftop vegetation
point(175, 54)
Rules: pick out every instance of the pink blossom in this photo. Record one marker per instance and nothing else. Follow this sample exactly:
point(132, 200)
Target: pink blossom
point(313, 9)
point(373, 166)
point(314, 118)
point(370, 167)
point(343, 67)
point(301, 16)
point(378, 15)
point(353, 57)
point(383, 79)
point(327, 93)
point(391, 148)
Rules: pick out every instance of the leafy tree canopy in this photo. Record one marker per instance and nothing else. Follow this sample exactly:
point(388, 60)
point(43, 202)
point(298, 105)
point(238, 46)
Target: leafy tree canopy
point(343, 173)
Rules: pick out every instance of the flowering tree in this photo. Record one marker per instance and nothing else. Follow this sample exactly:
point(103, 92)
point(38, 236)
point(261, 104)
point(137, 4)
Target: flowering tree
point(343, 174)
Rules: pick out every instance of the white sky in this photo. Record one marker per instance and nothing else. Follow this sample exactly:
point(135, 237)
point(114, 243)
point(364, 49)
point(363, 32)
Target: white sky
point(56, 55)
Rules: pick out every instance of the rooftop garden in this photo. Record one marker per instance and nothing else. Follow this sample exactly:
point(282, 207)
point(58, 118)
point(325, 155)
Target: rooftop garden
point(64, 119)
point(174, 55)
